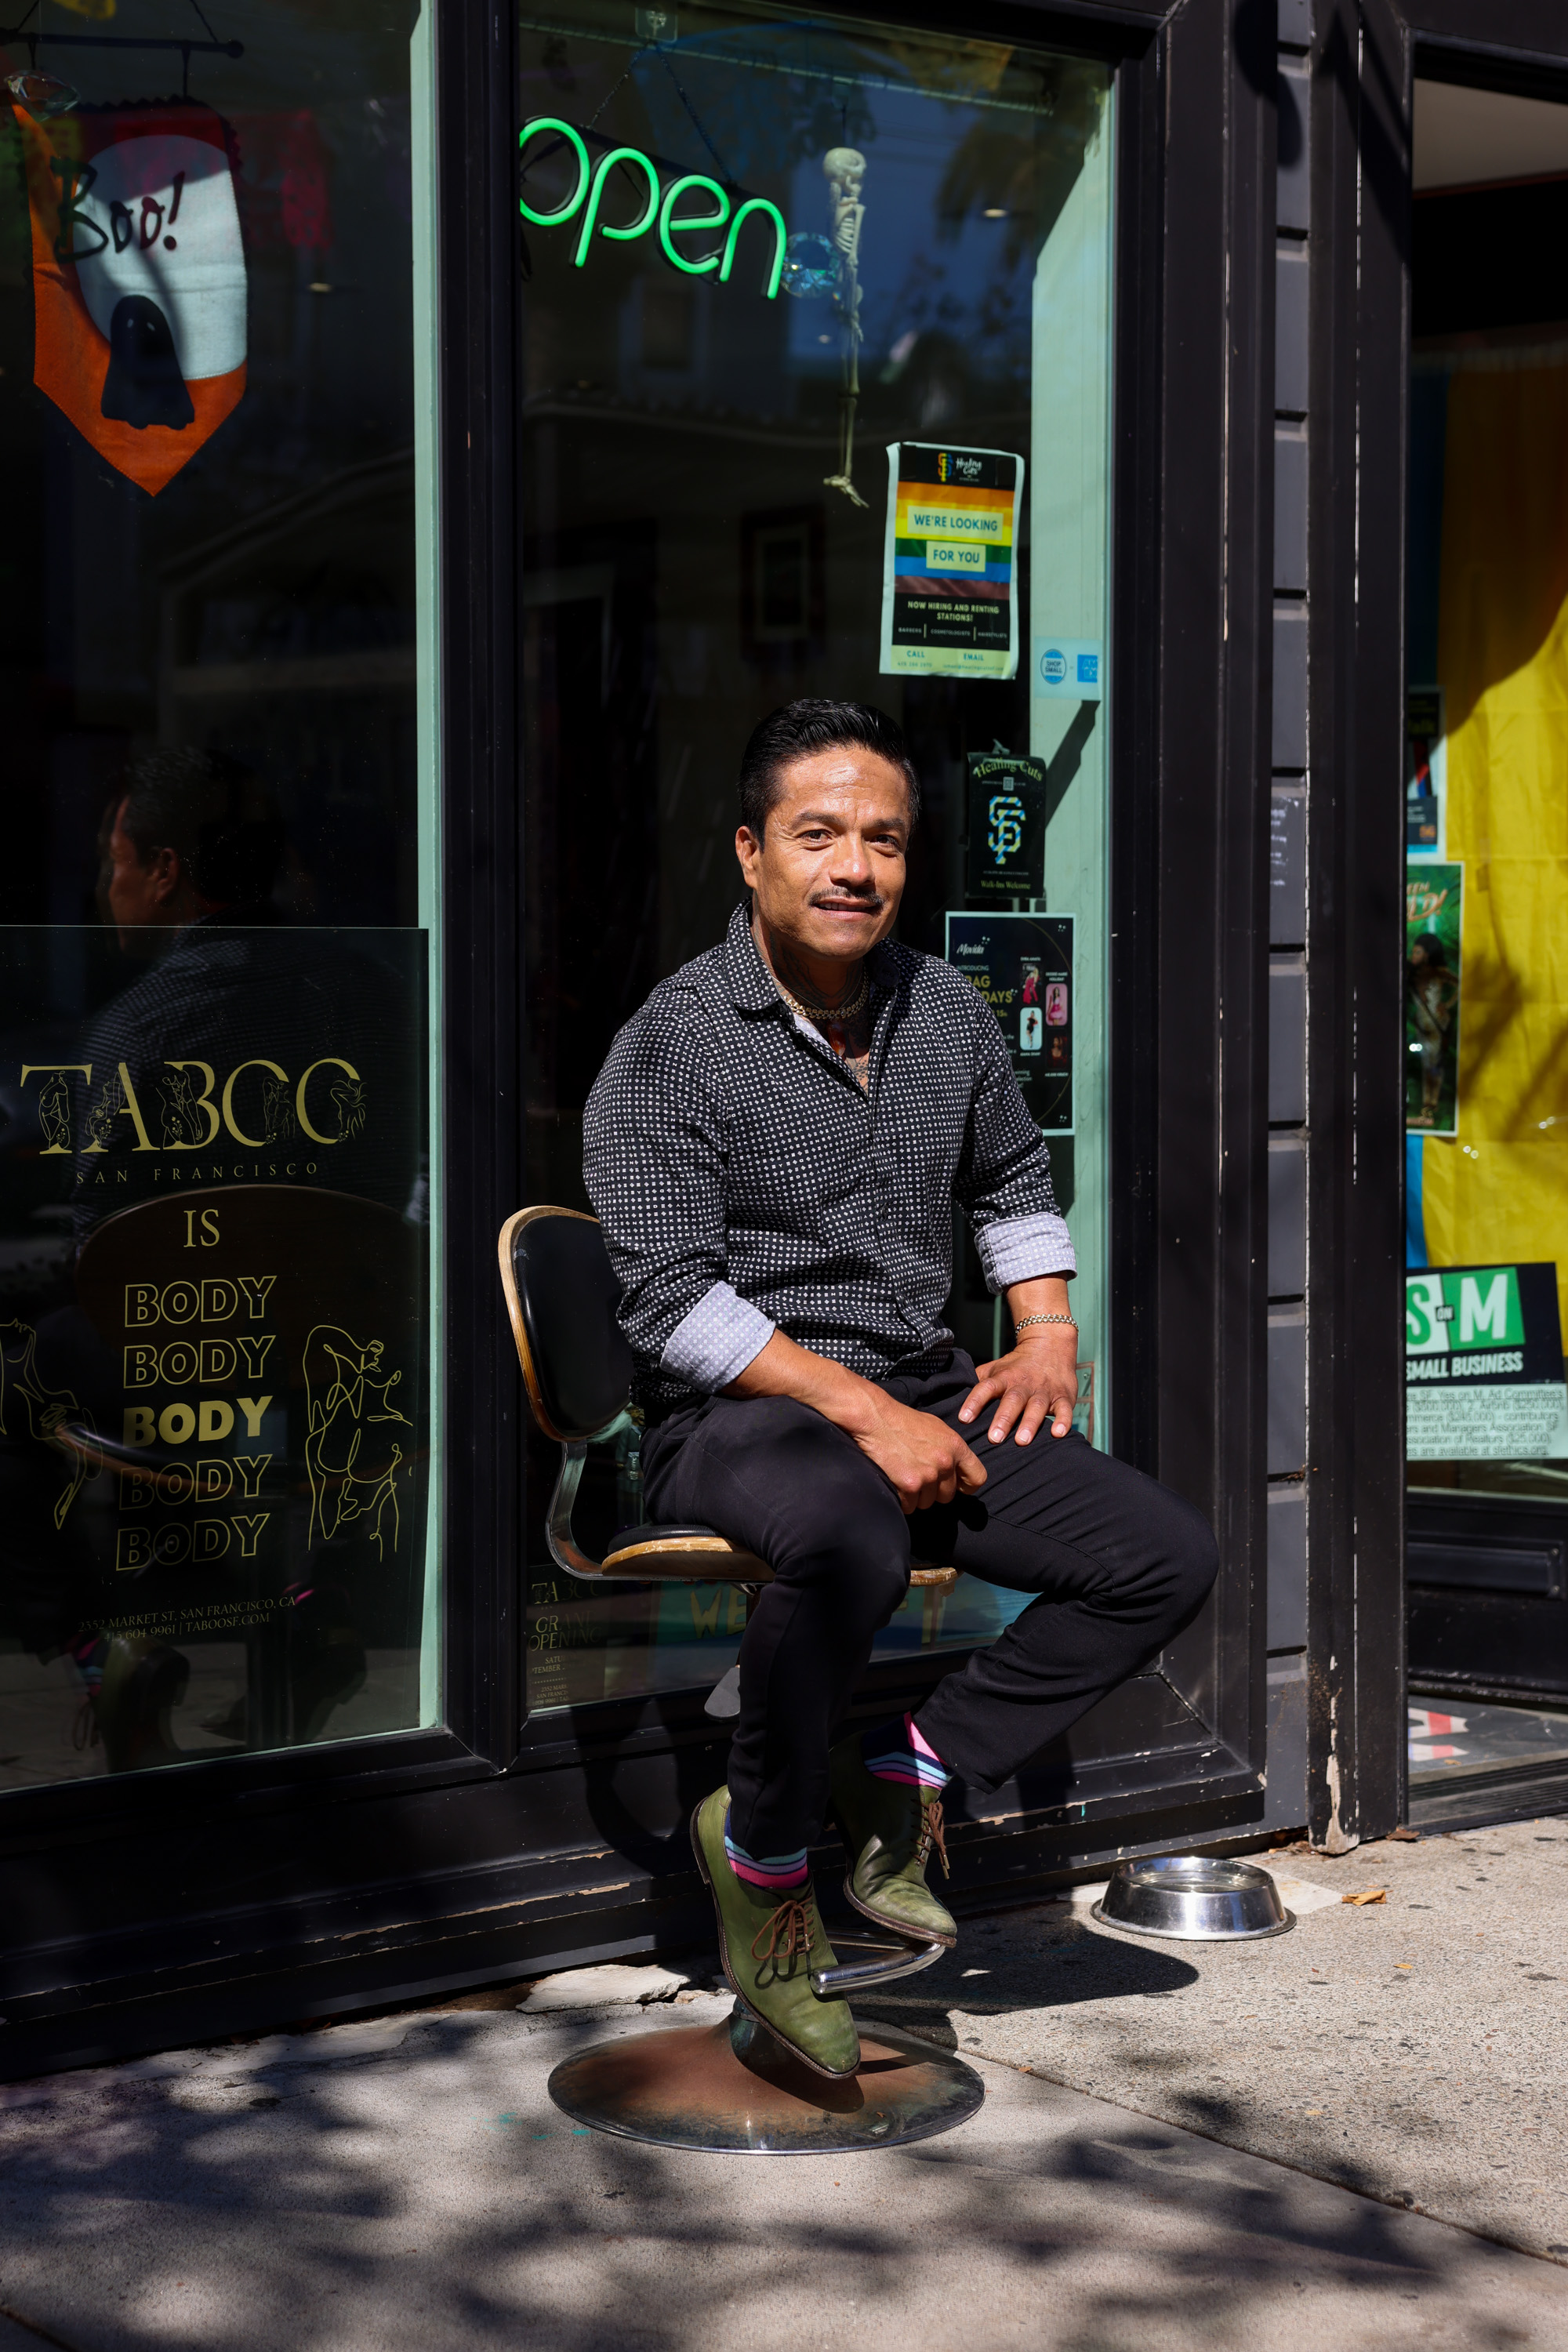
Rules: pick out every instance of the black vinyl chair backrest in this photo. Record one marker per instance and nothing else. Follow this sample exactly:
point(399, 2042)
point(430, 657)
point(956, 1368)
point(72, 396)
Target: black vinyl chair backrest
point(567, 1297)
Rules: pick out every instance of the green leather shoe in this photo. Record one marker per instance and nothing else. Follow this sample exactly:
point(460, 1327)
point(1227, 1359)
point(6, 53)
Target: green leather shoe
point(888, 1831)
point(769, 1947)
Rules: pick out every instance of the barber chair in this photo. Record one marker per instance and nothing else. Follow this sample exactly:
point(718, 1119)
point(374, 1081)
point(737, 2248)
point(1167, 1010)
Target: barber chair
point(735, 2086)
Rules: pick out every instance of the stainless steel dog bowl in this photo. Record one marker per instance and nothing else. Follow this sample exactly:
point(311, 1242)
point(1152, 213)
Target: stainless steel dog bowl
point(1194, 1899)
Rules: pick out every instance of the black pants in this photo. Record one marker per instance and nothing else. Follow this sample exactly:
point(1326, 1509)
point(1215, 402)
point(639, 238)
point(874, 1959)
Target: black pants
point(1118, 1563)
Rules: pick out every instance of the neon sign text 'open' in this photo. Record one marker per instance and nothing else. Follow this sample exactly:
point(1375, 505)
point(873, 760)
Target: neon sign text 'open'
point(588, 197)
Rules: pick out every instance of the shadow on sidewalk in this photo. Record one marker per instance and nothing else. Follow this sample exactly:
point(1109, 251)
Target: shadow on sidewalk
point(433, 2198)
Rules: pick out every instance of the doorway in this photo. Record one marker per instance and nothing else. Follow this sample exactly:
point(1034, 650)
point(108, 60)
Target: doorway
point(1486, 784)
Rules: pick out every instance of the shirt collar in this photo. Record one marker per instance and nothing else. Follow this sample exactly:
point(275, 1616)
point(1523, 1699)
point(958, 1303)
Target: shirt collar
point(751, 981)
point(752, 984)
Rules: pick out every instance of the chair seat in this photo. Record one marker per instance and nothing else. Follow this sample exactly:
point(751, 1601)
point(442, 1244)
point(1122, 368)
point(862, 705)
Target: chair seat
point(702, 1556)
point(699, 1554)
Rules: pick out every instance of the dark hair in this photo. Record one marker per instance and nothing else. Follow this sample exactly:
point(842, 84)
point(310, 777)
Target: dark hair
point(1432, 947)
point(796, 730)
point(214, 814)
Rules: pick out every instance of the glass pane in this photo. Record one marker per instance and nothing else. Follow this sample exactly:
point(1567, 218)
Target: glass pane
point(1486, 807)
point(215, 1187)
point(742, 452)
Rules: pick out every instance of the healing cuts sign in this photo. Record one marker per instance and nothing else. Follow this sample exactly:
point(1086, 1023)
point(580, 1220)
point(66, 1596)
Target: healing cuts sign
point(1007, 827)
point(1483, 1365)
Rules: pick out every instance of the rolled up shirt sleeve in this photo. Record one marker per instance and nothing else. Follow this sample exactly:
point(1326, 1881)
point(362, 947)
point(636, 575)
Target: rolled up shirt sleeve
point(654, 1160)
point(1004, 1180)
point(712, 1346)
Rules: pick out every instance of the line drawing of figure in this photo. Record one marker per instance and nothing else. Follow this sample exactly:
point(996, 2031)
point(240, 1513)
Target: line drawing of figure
point(347, 1393)
point(182, 1122)
point(55, 1113)
point(349, 1096)
point(277, 1112)
point(48, 1409)
point(101, 1119)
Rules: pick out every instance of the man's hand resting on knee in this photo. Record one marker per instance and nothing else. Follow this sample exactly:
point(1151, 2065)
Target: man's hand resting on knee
point(923, 1461)
point(1036, 1381)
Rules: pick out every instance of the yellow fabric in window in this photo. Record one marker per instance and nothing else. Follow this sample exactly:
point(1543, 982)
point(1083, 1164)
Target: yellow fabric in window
point(1499, 1192)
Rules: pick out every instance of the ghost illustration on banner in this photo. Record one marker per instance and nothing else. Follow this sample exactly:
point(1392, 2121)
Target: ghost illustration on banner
point(139, 283)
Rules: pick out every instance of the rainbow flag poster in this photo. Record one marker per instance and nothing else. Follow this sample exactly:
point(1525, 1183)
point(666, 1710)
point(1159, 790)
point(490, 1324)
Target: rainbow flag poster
point(949, 609)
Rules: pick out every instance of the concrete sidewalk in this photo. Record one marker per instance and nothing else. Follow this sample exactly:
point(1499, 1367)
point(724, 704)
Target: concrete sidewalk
point(1414, 2048)
point(425, 2195)
point(405, 2185)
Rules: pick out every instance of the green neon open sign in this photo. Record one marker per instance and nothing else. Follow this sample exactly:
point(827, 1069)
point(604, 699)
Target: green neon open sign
point(588, 197)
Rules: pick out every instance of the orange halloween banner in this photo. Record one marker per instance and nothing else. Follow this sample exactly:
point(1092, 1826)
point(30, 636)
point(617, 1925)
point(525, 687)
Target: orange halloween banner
point(139, 283)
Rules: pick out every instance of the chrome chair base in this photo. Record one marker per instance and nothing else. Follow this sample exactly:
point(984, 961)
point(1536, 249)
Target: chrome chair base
point(888, 1960)
point(736, 2089)
point(723, 1700)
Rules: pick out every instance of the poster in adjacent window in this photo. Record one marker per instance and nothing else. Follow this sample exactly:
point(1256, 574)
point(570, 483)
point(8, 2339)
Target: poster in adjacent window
point(1433, 949)
point(1426, 771)
point(1483, 1364)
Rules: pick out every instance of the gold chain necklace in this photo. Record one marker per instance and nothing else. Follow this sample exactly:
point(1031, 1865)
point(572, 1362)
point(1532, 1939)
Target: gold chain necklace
point(834, 1013)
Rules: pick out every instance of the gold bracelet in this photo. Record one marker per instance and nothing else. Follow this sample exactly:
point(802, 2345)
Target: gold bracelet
point(1044, 1318)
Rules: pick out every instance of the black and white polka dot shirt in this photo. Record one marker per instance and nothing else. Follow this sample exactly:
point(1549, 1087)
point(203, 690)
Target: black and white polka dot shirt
point(746, 1181)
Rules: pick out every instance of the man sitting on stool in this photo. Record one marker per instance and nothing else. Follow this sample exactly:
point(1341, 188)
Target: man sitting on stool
point(774, 1147)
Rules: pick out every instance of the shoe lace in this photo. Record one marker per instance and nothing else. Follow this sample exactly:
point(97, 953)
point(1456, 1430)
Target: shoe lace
point(933, 1834)
point(787, 1934)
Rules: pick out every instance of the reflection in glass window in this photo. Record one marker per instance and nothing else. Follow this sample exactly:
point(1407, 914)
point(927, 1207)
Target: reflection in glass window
point(763, 252)
point(1486, 808)
point(215, 1187)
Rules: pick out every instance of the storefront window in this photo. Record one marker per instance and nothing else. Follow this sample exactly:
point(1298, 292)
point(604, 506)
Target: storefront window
point(218, 902)
point(796, 291)
point(1486, 805)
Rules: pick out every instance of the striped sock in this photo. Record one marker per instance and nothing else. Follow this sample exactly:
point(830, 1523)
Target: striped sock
point(896, 1751)
point(774, 1874)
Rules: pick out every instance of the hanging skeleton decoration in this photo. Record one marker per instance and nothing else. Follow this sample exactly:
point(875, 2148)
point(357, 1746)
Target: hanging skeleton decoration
point(845, 168)
point(139, 280)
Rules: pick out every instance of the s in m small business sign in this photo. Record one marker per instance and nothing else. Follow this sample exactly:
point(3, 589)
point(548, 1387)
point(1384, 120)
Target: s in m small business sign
point(1068, 669)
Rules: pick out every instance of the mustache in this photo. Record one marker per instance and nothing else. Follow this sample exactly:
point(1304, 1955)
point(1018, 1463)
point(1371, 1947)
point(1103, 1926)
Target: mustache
point(861, 900)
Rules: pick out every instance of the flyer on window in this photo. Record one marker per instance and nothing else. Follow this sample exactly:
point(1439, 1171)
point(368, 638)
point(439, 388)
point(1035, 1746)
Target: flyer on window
point(1022, 965)
point(140, 291)
point(1433, 928)
point(1007, 826)
point(949, 603)
point(1483, 1365)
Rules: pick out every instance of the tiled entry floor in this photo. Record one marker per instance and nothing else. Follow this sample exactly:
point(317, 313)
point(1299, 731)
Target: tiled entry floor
point(1449, 1739)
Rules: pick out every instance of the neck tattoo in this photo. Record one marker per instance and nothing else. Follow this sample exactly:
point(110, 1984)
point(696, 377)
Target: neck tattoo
point(846, 1023)
point(796, 988)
